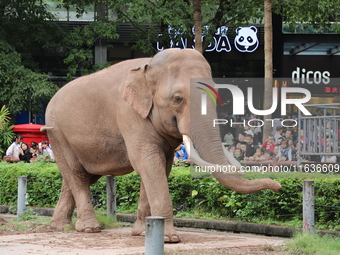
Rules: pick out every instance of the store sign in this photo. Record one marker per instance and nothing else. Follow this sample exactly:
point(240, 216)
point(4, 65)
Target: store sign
point(303, 76)
point(332, 90)
point(246, 40)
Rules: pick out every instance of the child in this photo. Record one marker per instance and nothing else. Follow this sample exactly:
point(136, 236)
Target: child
point(248, 131)
point(229, 138)
point(282, 158)
point(231, 149)
point(279, 140)
point(278, 133)
point(285, 151)
point(289, 134)
point(238, 154)
point(249, 140)
point(267, 155)
point(292, 145)
point(269, 144)
point(250, 149)
point(258, 155)
point(238, 145)
point(241, 137)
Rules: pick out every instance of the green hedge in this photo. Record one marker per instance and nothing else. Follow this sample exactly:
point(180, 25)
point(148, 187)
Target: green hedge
point(188, 194)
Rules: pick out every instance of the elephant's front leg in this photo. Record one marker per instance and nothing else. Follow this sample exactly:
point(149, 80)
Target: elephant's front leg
point(143, 211)
point(153, 171)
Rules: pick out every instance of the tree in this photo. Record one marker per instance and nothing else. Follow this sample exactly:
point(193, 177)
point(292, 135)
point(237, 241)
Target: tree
point(198, 26)
point(26, 26)
point(172, 19)
point(322, 15)
point(21, 88)
point(6, 133)
point(268, 64)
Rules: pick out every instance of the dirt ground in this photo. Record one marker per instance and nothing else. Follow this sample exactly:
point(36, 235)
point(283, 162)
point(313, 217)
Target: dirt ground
point(40, 239)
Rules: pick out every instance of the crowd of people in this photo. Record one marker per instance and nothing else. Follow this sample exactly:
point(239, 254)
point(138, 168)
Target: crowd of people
point(21, 151)
point(282, 145)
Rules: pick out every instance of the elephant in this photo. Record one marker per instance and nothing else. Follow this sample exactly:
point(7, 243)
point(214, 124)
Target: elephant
point(130, 117)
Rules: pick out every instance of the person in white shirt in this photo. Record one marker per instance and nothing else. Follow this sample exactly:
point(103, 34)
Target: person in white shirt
point(248, 131)
point(328, 158)
point(12, 153)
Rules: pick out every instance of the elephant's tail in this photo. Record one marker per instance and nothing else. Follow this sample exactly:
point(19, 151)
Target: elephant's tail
point(44, 128)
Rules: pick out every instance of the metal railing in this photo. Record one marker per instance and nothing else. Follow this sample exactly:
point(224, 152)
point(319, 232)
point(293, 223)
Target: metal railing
point(318, 134)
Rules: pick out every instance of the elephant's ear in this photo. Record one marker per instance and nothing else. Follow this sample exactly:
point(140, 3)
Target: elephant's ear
point(137, 92)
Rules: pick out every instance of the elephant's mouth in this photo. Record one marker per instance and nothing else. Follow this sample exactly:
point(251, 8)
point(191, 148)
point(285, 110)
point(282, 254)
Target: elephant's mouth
point(195, 158)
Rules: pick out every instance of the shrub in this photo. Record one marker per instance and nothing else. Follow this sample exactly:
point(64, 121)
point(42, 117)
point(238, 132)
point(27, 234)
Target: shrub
point(6, 133)
point(188, 194)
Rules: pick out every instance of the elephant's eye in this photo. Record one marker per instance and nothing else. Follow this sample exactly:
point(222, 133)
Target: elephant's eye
point(178, 99)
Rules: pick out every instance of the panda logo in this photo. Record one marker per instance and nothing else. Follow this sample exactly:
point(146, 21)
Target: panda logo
point(246, 39)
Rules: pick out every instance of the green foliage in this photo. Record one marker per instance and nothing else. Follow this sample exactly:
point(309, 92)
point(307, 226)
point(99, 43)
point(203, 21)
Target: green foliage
point(314, 244)
point(26, 24)
point(44, 158)
point(44, 183)
point(191, 197)
point(79, 44)
point(148, 18)
point(28, 215)
point(314, 15)
point(21, 88)
point(107, 222)
point(6, 133)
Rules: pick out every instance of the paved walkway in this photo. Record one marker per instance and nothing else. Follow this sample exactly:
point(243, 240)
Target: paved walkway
point(119, 241)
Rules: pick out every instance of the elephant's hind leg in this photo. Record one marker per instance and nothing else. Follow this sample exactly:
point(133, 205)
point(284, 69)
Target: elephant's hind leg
point(75, 191)
point(62, 216)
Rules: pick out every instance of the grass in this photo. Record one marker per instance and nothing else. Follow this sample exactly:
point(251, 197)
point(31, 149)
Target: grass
point(34, 221)
point(107, 222)
point(314, 244)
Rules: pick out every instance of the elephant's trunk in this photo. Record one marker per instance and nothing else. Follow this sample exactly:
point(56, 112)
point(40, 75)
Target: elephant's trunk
point(207, 141)
point(245, 186)
point(228, 179)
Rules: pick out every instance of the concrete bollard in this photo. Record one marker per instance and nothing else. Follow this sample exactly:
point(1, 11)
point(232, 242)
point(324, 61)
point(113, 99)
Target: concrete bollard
point(154, 235)
point(22, 189)
point(308, 207)
point(111, 195)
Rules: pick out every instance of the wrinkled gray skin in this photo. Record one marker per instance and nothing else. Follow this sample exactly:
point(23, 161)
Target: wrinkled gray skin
point(130, 117)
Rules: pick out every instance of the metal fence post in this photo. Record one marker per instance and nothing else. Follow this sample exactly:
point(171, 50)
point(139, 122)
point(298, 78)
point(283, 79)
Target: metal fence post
point(308, 207)
point(154, 235)
point(111, 195)
point(22, 189)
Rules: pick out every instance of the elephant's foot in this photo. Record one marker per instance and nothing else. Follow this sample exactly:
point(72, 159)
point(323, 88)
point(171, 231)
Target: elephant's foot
point(88, 226)
point(138, 228)
point(170, 234)
point(171, 239)
point(60, 224)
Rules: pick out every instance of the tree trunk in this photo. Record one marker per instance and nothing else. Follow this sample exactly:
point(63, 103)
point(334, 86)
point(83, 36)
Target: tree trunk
point(198, 26)
point(268, 65)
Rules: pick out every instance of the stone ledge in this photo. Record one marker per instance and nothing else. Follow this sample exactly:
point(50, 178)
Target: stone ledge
point(230, 226)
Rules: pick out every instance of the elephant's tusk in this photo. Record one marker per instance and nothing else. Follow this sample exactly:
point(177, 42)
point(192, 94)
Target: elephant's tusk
point(230, 157)
point(202, 163)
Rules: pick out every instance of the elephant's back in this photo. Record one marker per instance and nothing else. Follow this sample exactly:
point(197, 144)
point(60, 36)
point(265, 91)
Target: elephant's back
point(90, 99)
point(96, 87)
point(111, 77)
